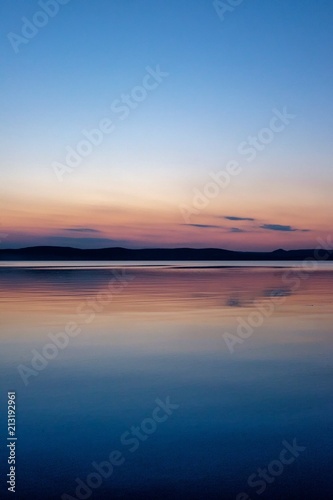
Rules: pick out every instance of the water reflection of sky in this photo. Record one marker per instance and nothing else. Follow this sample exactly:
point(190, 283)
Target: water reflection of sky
point(162, 335)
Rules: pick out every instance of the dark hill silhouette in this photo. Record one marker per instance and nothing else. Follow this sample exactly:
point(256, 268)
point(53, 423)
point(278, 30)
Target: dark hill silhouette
point(51, 253)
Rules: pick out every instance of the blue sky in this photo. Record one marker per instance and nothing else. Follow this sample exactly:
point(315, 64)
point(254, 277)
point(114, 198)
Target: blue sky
point(225, 78)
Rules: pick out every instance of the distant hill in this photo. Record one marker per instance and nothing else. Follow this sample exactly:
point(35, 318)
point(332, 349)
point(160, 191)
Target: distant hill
point(47, 253)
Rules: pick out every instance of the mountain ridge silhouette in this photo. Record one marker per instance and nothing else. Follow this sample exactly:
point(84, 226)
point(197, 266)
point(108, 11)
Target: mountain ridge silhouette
point(52, 253)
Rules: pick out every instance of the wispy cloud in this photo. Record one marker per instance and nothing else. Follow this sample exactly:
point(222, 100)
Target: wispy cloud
point(204, 226)
point(235, 218)
point(222, 228)
point(81, 229)
point(278, 227)
point(81, 241)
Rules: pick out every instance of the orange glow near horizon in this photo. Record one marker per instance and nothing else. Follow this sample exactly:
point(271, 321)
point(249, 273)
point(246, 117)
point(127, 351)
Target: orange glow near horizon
point(126, 214)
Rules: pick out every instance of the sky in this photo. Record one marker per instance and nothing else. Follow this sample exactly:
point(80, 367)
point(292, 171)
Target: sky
point(166, 123)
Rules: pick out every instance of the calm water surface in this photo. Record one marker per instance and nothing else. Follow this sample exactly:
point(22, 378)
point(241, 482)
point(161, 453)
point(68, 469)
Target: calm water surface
point(143, 333)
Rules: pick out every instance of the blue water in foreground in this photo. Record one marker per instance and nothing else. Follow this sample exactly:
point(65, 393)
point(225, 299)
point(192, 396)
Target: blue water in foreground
point(244, 355)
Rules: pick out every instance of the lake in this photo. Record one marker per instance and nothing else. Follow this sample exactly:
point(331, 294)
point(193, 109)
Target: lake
point(168, 380)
